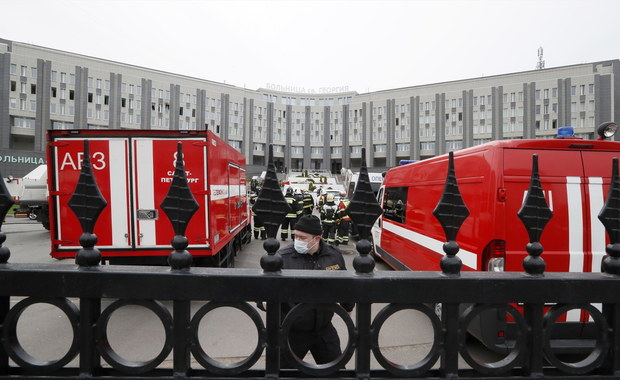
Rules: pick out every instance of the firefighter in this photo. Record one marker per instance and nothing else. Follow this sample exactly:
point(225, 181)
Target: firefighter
point(313, 330)
point(343, 220)
point(259, 226)
point(328, 219)
point(288, 224)
point(308, 203)
point(299, 198)
point(320, 200)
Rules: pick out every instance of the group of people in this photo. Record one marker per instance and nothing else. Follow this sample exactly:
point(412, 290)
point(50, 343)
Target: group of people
point(335, 222)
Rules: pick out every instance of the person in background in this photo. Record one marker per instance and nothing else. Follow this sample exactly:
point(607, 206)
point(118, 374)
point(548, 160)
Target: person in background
point(299, 198)
point(288, 223)
point(259, 226)
point(343, 220)
point(308, 203)
point(328, 219)
point(314, 331)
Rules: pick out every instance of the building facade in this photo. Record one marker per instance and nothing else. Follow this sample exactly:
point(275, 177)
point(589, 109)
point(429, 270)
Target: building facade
point(43, 88)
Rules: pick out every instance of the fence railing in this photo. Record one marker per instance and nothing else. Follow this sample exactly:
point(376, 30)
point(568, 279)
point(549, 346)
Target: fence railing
point(87, 284)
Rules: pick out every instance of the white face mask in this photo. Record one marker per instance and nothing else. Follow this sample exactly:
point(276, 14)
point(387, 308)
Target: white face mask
point(302, 247)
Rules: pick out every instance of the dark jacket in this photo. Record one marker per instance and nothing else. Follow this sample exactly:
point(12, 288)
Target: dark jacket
point(326, 258)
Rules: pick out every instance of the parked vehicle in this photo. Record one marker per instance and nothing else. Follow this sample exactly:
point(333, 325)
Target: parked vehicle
point(350, 182)
point(133, 170)
point(30, 195)
point(493, 179)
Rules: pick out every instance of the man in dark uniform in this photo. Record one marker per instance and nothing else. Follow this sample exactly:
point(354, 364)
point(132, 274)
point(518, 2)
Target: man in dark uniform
point(288, 223)
point(313, 331)
point(308, 203)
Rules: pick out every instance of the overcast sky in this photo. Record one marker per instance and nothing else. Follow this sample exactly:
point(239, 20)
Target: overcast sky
point(365, 45)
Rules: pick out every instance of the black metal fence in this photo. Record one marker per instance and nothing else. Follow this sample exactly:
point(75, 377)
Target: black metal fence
point(88, 284)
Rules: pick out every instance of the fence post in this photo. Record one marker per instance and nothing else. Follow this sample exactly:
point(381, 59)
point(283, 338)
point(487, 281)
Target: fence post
point(6, 202)
point(451, 212)
point(179, 205)
point(610, 217)
point(364, 211)
point(271, 207)
point(87, 202)
point(534, 214)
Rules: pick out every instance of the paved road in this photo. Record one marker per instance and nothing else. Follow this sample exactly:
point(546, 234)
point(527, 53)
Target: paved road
point(226, 333)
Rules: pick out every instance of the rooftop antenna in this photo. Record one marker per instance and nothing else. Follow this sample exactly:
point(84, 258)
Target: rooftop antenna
point(541, 62)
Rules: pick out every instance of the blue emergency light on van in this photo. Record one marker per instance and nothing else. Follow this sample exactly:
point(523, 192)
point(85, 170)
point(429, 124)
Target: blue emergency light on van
point(405, 162)
point(564, 132)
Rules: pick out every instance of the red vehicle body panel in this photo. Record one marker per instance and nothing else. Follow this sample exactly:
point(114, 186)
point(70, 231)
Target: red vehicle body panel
point(133, 170)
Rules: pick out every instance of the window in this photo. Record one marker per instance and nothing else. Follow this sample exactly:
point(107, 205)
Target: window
point(33, 89)
point(99, 83)
point(582, 89)
point(394, 203)
point(13, 69)
point(24, 71)
point(13, 85)
point(590, 89)
point(54, 76)
point(63, 77)
point(71, 94)
point(53, 92)
point(90, 97)
point(91, 82)
point(71, 78)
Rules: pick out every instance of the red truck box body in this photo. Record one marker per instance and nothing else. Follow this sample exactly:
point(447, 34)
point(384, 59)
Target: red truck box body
point(134, 170)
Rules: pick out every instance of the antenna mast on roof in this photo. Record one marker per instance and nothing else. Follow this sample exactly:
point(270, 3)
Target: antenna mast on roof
point(541, 62)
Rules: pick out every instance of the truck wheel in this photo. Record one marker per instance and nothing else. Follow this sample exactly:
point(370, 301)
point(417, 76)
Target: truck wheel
point(32, 215)
point(230, 260)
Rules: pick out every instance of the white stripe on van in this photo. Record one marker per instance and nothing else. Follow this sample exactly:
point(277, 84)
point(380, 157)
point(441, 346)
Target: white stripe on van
point(597, 229)
point(469, 258)
point(575, 224)
point(575, 234)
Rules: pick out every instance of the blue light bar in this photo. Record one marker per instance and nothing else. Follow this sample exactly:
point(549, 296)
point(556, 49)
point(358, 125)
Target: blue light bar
point(566, 132)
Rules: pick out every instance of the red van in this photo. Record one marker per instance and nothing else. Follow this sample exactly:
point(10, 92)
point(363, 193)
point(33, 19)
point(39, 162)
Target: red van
point(493, 179)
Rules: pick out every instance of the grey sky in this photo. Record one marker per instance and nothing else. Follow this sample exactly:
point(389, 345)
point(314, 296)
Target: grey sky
point(365, 45)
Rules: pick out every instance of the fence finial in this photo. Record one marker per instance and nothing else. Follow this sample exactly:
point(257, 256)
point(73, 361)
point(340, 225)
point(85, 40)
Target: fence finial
point(364, 211)
point(451, 212)
point(535, 214)
point(179, 205)
point(610, 217)
point(87, 203)
point(272, 207)
point(6, 202)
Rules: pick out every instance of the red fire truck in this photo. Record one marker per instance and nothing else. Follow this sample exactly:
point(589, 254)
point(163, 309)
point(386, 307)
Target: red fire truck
point(493, 179)
point(133, 170)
